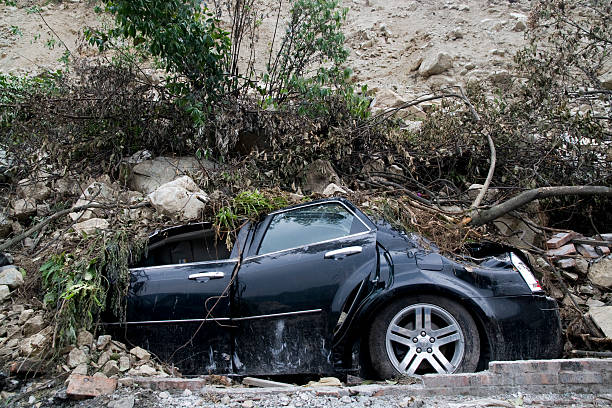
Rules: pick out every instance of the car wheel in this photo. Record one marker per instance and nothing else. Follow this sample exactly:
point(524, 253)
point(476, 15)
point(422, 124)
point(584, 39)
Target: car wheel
point(423, 334)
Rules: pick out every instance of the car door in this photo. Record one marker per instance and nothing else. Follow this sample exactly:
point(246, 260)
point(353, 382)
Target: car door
point(181, 313)
point(299, 269)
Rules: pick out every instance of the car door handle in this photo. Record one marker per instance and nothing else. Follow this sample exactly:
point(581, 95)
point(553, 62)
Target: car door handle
point(343, 252)
point(209, 275)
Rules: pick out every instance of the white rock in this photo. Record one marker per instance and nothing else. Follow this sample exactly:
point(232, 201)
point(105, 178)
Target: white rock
point(90, 226)
point(187, 393)
point(386, 98)
point(124, 363)
point(33, 325)
point(11, 276)
point(36, 190)
point(600, 273)
point(77, 356)
point(80, 369)
point(110, 368)
point(5, 293)
point(103, 341)
point(332, 189)
point(180, 198)
point(140, 354)
point(463, 7)
point(164, 395)
point(436, 62)
point(602, 316)
point(149, 175)
point(84, 338)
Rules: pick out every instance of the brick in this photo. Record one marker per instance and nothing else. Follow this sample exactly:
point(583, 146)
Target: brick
point(584, 377)
point(446, 380)
point(525, 366)
point(587, 364)
point(587, 251)
point(568, 249)
point(604, 250)
point(83, 386)
point(560, 239)
point(537, 379)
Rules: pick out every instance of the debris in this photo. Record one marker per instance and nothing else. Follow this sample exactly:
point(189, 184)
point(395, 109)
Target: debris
point(77, 356)
point(90, 226)
point(82, 386)
point(11, 277)
point(258, 382)
point(600, 273)
point(140, 354)
point(84, 338)
point(567, 263)
point(568, 249)
point(560, 239)
point(325, 382)
point(181, 197)
point(602, 316)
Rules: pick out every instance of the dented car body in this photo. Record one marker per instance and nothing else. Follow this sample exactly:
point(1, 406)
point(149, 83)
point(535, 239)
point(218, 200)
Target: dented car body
point(321, 288)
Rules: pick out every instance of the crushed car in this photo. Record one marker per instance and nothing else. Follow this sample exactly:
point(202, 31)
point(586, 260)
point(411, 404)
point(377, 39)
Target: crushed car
point(321, 288)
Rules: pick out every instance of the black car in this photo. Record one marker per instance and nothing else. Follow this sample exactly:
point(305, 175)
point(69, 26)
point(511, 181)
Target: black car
point(321, 288)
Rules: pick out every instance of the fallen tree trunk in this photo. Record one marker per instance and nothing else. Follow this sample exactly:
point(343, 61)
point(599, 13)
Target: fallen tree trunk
point(480, 217)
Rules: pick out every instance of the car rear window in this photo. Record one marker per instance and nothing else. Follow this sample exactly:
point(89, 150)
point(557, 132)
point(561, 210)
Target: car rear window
point(309, 225)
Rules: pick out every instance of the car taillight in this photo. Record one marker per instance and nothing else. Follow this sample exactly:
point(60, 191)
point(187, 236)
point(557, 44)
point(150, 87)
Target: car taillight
point(526, 273)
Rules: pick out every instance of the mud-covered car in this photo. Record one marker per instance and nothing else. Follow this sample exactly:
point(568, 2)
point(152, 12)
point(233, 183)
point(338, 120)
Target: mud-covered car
point(321, 288)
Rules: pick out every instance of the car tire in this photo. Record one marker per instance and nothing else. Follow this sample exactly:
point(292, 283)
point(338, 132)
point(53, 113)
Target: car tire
point(446, 342)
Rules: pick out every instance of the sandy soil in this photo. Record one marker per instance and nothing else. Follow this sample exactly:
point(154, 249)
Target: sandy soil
point(387, 39)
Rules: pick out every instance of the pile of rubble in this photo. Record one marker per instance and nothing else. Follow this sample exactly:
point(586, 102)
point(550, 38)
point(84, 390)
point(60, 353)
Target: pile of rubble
point(586, 268)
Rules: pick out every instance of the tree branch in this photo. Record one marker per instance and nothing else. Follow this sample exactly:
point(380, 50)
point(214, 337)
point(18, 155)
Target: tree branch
point(480, 217)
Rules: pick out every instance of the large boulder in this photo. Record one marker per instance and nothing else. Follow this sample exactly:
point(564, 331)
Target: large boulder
point(149, 175)
point(181, 198)
point(436, 62)
point(318, 175)
point(11, 277)
point(600, 273)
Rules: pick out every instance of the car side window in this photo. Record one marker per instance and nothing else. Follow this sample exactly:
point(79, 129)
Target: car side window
point(309, 225)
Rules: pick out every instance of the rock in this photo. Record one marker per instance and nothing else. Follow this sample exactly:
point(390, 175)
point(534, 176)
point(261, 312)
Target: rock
point(144, 370)
point(602, 316)
point(127, 402)
point(11, 277)
point(247, 404)
point(180, 198)
point(66, 186)
point(333, 189)
point(463, 7)
point(110, 368)
point(91, 226)
point(187, 393)
point(498, 52)
point(455, 34)
point(164, 395)
point(140, 354)
point(436, 62)
point(149, 175)
point(594, 303)
point(600, 273)
point(104, 357)
point(33, 325)
point(103, 341)
point(582, 266)
point(5, 293)
point(77, 356)
point(519, 26)
point(35, 343)
point(586, 290)
point(96, 193)
point(5, 226)
point(82, 386)
point(84, 338)
point(24, 208)
point(386, 98)
point(474, 190)
point(510, 227)
point(36, 190)
point(124, 363)
point(80, 369)
point(318, 175)
point(570, 276)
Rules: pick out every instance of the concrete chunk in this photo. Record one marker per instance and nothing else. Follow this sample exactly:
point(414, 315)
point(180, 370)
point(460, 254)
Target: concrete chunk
point(568, 249)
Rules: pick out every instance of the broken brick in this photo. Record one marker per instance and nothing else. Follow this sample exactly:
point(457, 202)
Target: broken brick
point(568, 249)
point(587, 251)
point(560, 239)
point(83, 386)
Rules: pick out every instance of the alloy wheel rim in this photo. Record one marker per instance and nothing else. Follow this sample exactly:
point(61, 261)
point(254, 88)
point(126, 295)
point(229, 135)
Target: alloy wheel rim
point(424, 338)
